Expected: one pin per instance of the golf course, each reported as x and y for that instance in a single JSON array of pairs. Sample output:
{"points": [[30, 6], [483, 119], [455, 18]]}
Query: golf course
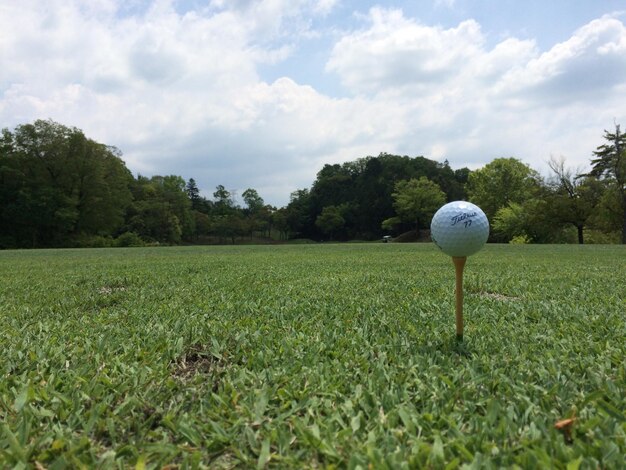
{"points": [[314, 356]]}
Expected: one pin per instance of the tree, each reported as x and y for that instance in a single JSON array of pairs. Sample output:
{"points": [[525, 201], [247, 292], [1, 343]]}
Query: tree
{"points": [[510, 221], [416, 200], [330, 220], [59, 186], [252, 200], [228, 226], [298, 213], [175, 193], [224, 202], [161, 210], [501, 182], [535, 220], [391, 223], [203, 223], [333, 186], [610, 164], [279, 221], [193, 193], [573, 200], [452, 183], [364, 189]]}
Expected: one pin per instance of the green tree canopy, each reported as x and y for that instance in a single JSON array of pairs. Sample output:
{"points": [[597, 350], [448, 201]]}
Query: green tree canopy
{"points": [[416, 200], [161, 210], [503, 181], [364, 187], [573, 200], [224, 202], [330, 220], [193, 193], [254, 203], [58, 186], [510, 221], [610, 163]]}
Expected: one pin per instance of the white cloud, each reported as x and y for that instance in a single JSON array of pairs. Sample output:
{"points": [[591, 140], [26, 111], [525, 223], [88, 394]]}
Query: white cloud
{"points": [[324, 7], [445, 3], [588, 66], [396, 52], [180, 91], [470, 103]]}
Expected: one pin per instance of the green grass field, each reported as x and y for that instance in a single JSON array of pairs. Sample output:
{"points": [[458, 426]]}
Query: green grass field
{"points": [[312, 356]]}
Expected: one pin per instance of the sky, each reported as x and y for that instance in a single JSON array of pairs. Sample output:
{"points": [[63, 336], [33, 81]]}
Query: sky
{"points": [[262, 93]]}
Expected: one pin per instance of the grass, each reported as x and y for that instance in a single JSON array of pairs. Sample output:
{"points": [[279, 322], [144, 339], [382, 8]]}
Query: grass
{"points": [[336, 356]]}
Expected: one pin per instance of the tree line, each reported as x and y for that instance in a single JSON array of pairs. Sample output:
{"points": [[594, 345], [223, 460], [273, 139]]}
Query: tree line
{"points": [[59, 188]]}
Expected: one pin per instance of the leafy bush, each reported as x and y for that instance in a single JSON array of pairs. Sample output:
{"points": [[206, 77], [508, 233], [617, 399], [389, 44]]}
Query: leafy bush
{"points": [[129, 239], [520, 240], [94, 241], [596, 237]]}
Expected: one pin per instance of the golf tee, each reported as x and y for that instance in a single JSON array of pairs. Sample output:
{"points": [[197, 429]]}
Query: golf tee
{"points": [[459, 264]]}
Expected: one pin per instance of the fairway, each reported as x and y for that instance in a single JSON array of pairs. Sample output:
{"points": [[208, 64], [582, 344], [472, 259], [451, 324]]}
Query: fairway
{"points": [[313, 356]]}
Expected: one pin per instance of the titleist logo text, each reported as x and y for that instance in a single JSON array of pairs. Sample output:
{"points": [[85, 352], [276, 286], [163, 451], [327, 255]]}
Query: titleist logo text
{"points": [[463, 216]]}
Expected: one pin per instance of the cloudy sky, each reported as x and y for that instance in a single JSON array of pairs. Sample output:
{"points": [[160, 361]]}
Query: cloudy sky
{"points": [[263, 93]]}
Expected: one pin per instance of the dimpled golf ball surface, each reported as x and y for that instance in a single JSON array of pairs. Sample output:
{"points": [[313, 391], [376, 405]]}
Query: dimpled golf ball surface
{"points": [[459, 228]]}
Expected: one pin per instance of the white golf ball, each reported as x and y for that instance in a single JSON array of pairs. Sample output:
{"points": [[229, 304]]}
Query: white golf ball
{"points": [[459, 228]]}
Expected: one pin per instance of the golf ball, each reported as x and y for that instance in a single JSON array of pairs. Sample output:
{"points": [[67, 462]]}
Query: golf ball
{"points": [[459, 228]]}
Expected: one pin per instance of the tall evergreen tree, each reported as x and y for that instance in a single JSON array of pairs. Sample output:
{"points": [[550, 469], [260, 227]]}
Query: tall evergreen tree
{"points": [[610, 163], [193, 193]]}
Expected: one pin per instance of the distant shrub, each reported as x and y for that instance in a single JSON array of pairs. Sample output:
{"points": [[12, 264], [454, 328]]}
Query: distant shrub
{"points": [[94, 241], [565, 235], [129, 239], [520, 240], [595, 237]]}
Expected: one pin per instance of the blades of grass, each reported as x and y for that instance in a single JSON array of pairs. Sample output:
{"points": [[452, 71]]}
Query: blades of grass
{"points": [[264, 455], [141, 463], [574, 464], [23, 397], [611, 410], [18, 452], [260, 405]]}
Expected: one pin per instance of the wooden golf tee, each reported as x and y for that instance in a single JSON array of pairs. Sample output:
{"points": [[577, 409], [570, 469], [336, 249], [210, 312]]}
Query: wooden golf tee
{"points": [[459, 264]]}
